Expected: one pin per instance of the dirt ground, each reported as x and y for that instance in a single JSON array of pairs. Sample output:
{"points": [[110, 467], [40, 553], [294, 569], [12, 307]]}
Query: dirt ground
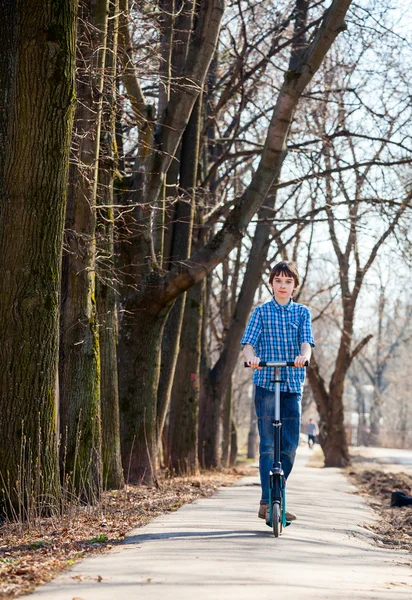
{"points": [[33, 554], [376, 480]]}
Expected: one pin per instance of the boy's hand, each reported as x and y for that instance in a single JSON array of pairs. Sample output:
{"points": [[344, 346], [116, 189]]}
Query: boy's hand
{"points": [[254, 362], [300, 361]]}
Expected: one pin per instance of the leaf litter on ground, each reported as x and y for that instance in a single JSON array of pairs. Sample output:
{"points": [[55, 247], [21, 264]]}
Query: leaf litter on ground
{"points": [[394, 526], [32, 554]]}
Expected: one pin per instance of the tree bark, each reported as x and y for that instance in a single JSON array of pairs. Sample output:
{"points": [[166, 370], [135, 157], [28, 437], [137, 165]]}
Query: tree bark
{"points": [[233, 445], [332, 436], [139, 368], [38, 74], [227, 426], [80, 352], [184, 406], [106, 282]]}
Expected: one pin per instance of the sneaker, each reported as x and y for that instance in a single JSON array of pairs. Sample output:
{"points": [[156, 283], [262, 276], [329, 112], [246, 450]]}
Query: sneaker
{"points": [[263, 508], [262, 514]]}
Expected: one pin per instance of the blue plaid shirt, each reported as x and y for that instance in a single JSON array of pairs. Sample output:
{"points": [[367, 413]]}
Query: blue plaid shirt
{"points": [[276, 333]]}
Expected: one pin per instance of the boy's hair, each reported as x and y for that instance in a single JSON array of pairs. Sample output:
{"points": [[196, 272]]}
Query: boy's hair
{"points": [[287, 268]]}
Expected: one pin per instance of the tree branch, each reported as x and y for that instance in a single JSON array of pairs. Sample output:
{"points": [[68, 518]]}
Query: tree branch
{"points": [[359, 346]]}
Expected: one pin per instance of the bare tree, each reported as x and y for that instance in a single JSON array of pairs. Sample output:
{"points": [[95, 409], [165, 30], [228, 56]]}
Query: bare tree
{"points": [[148, 307], [354, 262]]}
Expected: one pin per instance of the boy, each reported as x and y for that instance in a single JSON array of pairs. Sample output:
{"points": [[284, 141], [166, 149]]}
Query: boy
{"points": [[279, 330]]}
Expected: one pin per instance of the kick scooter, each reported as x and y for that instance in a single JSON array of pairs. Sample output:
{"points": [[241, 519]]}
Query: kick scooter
{"points": [[276, 517]]}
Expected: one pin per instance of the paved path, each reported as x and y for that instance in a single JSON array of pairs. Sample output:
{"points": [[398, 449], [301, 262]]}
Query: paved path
{"points": [[217, 549]]}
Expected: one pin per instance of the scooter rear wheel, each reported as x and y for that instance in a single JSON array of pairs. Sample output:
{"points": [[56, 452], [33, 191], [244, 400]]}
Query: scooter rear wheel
{"points": [[276, 519]]}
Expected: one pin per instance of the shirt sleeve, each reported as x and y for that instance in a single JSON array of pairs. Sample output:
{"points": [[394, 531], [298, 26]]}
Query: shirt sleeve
{"points": [[305, 328], [253, 329]]}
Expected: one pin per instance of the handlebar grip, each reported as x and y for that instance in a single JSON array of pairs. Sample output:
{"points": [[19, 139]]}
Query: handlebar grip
{"points": [[292, 364], [264, 363]]}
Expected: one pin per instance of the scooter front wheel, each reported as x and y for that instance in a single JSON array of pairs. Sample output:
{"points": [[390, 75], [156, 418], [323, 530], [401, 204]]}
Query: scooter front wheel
{"points": [[276, 519]]}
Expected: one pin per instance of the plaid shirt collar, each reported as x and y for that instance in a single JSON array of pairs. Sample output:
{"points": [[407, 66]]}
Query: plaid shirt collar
{"points": [[278, 306]]}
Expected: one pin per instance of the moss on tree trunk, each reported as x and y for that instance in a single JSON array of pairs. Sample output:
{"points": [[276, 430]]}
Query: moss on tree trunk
{"points": [[33, 179], [106, 283], [80, 350]]}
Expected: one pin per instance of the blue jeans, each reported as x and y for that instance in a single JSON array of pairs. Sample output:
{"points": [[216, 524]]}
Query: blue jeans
{"points": [[290, 413]]}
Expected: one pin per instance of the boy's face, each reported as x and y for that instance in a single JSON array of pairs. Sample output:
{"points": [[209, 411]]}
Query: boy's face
{"points": [[283, 287]]}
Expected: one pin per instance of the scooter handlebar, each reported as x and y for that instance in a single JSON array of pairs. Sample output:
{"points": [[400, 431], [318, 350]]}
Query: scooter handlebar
{"points": [[264, 363]]}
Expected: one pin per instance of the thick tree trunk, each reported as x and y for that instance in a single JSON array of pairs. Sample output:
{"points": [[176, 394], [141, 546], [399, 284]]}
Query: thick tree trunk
{"points": [[184, 407], [80, 352], [106, 284], [140, 340], [36, 120], [332, 436], [333, 441]]}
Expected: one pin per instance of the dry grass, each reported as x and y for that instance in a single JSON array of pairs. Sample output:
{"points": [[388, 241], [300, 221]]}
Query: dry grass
{"points": [[32, 555]]}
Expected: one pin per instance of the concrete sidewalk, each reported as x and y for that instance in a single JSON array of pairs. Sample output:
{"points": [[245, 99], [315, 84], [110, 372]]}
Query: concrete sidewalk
{"points": [[218, 549]]}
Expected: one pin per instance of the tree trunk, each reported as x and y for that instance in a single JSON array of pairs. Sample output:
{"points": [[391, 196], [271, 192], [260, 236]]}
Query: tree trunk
{"points": [[233, 445], [205, 452], [335, 446], [140, 341], [170, 351], [36, 120], [227, 426], [106, 283], [8, 36], [375, 416], [332, 436], [184, 407], [80, 352]]}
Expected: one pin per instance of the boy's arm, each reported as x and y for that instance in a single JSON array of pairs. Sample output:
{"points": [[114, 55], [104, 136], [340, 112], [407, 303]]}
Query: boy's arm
{"points": [[305, 354], [250, 339], [306, 339], [251, 359]]}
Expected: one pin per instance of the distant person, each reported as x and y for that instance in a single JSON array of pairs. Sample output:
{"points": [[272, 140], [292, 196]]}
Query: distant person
{"points": [[279, 330], [312, 431]]}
